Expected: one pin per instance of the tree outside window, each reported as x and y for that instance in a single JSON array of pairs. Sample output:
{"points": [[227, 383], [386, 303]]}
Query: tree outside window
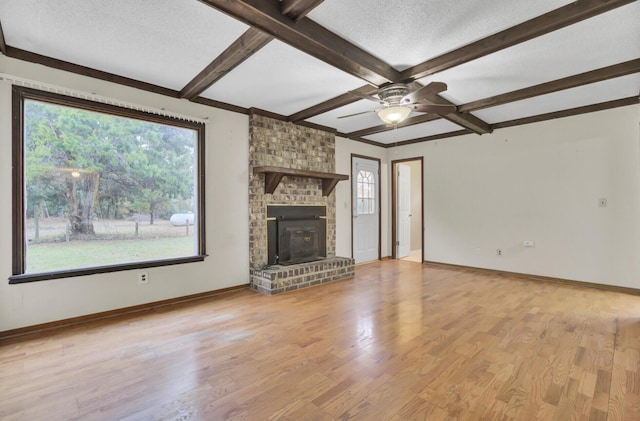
{"points": [[101, 185]]}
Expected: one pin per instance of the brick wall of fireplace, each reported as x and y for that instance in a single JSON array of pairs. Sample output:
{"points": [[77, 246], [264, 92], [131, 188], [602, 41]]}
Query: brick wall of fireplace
{"points": [[283, 144]]}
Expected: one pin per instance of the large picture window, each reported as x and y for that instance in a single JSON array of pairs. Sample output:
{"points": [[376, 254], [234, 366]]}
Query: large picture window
{"points": [[100, 188]]}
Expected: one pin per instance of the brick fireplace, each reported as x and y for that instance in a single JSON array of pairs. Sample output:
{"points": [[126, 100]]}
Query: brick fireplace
{"points": [[275, 143]]}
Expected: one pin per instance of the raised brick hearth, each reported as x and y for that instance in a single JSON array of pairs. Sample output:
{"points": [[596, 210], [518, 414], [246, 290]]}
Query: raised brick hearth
{"points": [[282, 144], [278, 279]]}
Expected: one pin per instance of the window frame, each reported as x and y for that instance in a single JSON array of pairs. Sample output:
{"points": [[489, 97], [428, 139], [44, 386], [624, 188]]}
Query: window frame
{"points": [[370, 200], [19, 95]]}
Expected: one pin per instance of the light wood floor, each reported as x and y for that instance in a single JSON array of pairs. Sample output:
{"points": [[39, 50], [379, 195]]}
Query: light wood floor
{"points": [[398, 342], [415, 257]]}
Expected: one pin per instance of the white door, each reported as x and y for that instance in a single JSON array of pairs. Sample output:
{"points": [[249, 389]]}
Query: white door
{"points": [[366, 209], [404, 211]]}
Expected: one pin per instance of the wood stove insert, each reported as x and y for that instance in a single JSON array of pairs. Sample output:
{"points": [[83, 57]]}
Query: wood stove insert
{"points": [[296, 234]]}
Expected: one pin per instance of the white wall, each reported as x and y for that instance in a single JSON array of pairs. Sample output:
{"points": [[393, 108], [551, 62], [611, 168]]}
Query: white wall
{"points": [[344, 149], [226, 216], [539, 182]]}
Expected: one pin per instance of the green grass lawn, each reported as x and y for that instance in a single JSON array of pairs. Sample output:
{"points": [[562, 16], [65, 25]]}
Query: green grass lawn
{"points": [[81, 254]]}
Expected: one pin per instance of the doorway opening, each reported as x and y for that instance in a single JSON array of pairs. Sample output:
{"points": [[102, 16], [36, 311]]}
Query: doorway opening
{"points": [[407, 214]]}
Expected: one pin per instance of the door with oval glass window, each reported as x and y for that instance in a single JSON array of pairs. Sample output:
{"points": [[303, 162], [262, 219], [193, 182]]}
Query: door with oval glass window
{"points": [[365, 179]]}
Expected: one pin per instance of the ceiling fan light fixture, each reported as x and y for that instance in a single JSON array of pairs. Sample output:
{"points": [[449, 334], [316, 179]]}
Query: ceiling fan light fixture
{"points": [[394, 114]]}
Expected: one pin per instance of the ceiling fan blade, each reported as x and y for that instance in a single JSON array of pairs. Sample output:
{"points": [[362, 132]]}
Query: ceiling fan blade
{"points": [[434, 108], [369, 97], [355, 114], [425, 92]]}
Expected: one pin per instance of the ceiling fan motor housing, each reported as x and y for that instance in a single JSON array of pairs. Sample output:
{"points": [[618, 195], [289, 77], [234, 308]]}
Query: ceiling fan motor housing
{"points": [[393, 94]]}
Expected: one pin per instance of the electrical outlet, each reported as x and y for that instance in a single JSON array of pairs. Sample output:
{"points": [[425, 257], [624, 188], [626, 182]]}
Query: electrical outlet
{"points": [[602, 202], [498, 252], [528, 243], [143, 278]]}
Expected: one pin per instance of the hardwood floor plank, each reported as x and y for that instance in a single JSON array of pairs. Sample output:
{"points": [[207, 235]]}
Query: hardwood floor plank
{"points": [[399, 341], [301, 410], [624, 395]]}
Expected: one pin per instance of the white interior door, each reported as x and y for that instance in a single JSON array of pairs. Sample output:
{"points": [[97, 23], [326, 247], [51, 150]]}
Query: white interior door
{"points": [[366, 209], [404, 211]]}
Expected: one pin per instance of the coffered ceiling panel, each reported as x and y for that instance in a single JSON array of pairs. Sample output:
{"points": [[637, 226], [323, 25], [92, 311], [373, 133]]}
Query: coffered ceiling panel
{"points": [[406, 32], [281, 79], [584, 95], [601, 41], [163, 42]]}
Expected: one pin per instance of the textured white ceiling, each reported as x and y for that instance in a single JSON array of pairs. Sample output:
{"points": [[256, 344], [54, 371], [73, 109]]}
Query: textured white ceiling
{"points": [[579, 48], [281, 79], [407, 32], [168, 42], [164, 42], [594, 93]]}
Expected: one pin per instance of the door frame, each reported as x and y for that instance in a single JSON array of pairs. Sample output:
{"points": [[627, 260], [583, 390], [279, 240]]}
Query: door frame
{"points": [[394, 205], [370, 158]]}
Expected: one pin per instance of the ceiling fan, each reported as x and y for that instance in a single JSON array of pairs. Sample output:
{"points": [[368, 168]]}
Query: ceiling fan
{"points": [[399, 99]]}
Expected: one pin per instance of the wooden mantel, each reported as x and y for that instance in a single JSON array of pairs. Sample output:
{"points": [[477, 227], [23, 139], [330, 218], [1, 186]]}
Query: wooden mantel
{"points": [[273, 175]]}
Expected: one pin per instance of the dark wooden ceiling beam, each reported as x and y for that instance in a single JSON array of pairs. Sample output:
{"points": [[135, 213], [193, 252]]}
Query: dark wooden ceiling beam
{"points": [[309, 37], [604, 73], [297, 9], [333, 103], [367, 141], [221, 105], [556, 19], [240, 50], [464, 119], [3, 44], [469, 121]]}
